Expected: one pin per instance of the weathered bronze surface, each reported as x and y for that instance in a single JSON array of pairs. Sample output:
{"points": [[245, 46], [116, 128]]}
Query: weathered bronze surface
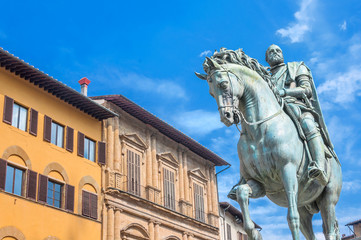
{"points": [[284, 148]]}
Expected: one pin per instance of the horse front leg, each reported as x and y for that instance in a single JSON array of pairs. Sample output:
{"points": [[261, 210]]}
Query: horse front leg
{"points": [[290, 182], [243, 193]]}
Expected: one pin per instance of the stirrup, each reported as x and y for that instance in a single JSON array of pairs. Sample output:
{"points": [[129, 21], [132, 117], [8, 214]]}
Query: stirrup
{"points": [[315, 172]]}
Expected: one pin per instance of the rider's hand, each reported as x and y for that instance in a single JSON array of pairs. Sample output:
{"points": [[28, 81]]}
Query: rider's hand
{"points": [[282, 92]]}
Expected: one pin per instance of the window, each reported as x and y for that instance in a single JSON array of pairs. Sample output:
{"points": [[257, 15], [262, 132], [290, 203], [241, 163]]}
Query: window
{"points": [[89, 149], [14, 180], [133, 160], [89, 204], [199, 202], [57, 134], [54, 194], [242, 236], [229, 233], [169, 192], [20, 117]]}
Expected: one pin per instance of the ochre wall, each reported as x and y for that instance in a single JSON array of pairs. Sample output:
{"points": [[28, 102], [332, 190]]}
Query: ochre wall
{"points": [[33, 219]]}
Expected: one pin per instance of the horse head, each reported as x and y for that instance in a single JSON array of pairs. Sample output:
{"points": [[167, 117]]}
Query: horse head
{"points": [[225, 88]]}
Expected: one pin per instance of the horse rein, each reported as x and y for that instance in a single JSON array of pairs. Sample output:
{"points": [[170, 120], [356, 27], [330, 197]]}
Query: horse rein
{"points": [[236, 110]]}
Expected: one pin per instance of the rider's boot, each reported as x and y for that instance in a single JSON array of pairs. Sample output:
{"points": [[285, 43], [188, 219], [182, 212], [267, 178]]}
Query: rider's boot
{"points": [[317, 151]]}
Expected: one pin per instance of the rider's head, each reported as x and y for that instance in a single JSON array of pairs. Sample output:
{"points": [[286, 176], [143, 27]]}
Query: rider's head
{"points": [[274, 55]]}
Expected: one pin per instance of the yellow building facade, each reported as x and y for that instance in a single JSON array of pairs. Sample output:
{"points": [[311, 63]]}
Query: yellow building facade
{"points": [[50, 157]]}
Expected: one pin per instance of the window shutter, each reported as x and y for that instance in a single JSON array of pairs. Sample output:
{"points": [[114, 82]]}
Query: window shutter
{"points": [[229, 236], [137, 170], [80, 144], [201, 202], [31, 188], [69, 198], [93, 206], [2, 173], [85, 204], [101, 152], [165, 187], [8, 110], [43, 188], [33, 130], [69, 139], [172, 190], [47, 128]]}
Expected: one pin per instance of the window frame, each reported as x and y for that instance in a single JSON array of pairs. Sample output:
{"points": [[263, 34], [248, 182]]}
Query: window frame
{"points": [[17, 120], [199, 210], [57, 125], [23, 178], [55, 182], [87, 147], [134, 172], [169, 188]]}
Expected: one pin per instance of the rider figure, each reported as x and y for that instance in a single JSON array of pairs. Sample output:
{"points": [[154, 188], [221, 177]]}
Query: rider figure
{"points": [[294, 83]]}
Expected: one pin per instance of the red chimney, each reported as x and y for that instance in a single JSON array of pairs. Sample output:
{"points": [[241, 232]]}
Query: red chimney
{"points": [[84, 82]]}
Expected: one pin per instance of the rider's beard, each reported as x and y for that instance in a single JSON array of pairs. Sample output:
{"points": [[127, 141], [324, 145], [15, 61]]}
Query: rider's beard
{"points": [[275, 60]]}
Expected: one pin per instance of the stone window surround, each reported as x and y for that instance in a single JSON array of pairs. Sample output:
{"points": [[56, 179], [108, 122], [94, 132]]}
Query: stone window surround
{"points": [[11, 231]]}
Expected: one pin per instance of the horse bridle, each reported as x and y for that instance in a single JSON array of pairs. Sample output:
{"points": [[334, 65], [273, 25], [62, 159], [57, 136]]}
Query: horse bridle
{"points": [[236, 111]]}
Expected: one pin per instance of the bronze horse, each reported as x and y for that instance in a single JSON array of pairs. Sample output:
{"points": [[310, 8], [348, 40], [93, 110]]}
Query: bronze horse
{"points": [[272, 156]]}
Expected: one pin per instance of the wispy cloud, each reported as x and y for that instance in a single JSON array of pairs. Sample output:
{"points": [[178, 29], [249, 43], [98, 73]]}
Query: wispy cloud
{"points": [[205, 53], [351, 186], [343, 26], [296, 30], [198, 122], [342, 87], [162, 87]]}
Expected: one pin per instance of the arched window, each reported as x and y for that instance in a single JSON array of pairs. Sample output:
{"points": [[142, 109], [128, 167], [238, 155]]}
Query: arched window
{"points": [[88, 197], [14, 171], [54, 189]]}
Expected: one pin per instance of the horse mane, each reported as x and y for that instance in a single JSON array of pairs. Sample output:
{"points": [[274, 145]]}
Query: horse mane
{"points": [[225, 56]]}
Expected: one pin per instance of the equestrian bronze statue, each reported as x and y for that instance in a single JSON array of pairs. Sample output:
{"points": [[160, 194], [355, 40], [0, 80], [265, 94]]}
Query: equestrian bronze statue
{"points": [[284, 148]]}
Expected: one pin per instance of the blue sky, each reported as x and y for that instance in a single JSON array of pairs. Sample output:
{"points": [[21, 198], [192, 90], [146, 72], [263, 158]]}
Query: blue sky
{"points": [[148, 51]]}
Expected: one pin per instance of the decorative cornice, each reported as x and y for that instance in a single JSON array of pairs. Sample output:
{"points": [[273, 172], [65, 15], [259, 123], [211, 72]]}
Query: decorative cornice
{"points": [[169, 158], [134, 140], [198, 174]]}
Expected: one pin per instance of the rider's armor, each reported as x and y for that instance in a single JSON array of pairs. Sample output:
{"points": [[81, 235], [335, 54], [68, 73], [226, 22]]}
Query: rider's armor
{"points": [[293, 80]]}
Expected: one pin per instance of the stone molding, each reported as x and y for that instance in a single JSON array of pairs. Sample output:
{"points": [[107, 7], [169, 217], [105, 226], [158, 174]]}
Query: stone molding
{"points": [[135, 230], [198, 174], [11, 231], [169, 159], [134, 140], [171, 237], [51, 238], [18, 151], [54, 166]]}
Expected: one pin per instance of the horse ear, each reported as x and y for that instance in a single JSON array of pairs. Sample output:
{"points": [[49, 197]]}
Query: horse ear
{"points": [[213, 63], [201, 76]]}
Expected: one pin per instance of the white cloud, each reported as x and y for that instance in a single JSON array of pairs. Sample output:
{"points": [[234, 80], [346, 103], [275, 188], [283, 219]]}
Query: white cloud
{"points": [[198, 122], [320, 236], [342, 87], [343, 26], [351, 186], [205, 53], [161, 87], [265, 210], [296, 30]]}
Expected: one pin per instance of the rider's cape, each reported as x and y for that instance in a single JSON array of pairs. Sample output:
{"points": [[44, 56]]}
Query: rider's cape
{"points": [[292, 71]]}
